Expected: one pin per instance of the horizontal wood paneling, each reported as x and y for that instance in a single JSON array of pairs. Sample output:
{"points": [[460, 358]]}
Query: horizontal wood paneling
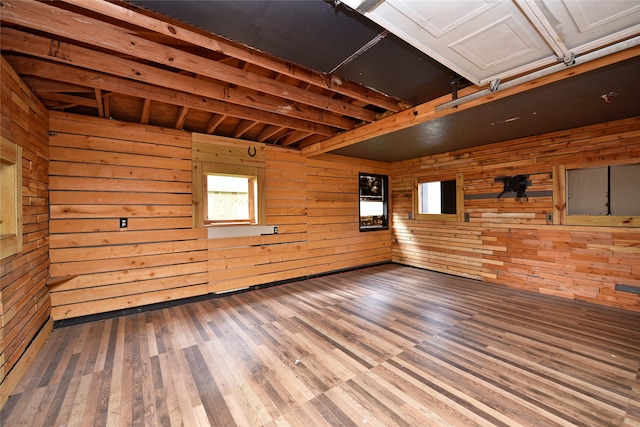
{"points": [[102, 171], [509, 241], [25, 306], [335, 241]]}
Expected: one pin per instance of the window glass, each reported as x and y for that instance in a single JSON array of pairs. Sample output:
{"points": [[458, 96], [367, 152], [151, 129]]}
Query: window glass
{"points": [[373, 191], [437, 197], [625, 190], [231, 198], [604, 191], [587, 191]]}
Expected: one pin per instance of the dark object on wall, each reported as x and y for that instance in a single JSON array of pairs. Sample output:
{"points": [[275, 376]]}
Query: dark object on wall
{"points": [[371, 187], [373, 191], [514, 184]]}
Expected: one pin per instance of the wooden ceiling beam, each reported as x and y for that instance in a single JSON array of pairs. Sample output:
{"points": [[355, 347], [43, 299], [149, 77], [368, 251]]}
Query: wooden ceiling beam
{"points": [[214, 122], [31, 44], [243, 128], [182, 115], [68, 99], [98, 94], [42, 86], [219, 44], [268, 132], [69, 74], [107, 106], [427, 111], [294, 137], [146, 112], [53, 20]]}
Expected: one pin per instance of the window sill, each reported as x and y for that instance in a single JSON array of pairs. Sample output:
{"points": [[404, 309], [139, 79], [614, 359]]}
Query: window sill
{"points": [[227, 231], [436, 217], [374, 227]]}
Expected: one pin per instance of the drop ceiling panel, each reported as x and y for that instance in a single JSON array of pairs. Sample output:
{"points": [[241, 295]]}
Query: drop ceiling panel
{"points": [[485, 40]]}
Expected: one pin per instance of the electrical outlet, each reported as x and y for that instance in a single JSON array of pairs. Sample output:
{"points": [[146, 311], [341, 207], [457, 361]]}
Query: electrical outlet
{"points": [[275, 230], [549, 217], [124, 222]]}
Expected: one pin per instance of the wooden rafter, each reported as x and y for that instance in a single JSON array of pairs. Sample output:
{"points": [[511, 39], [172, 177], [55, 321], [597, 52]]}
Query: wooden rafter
{"points": [[39, 46], [69, 99], [214, 122], [98, 94], [69, 74], [219, 44], [119, 55], [67, 24], [182, 115], [146, 112]]}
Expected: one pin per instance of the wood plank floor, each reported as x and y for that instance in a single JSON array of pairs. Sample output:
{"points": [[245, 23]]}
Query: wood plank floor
{"points": [[383, 346]]}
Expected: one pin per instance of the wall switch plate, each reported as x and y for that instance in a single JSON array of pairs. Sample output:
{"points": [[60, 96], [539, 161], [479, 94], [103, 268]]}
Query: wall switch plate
{"points": [[124, 222], [275, 230]]}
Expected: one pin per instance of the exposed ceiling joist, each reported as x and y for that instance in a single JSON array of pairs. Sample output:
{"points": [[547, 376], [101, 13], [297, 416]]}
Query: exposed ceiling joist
{"points": [[106, 47], [218, 44]]}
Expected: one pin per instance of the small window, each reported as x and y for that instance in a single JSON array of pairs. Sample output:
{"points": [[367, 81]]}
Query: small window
{"points": [[11, 191], [437, 197], [231, 199], [439, 200], [604, 195], [373, 202]]}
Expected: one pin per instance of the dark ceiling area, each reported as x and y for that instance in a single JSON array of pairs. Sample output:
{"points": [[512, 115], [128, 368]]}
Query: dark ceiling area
{"points": [[321, 35], [602, 95]]}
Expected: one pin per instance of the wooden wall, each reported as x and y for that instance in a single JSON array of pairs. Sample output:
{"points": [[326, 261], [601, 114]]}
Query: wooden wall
{"points": [[103, 170], [238, 262], [335, 241], [509, 241], [24, 298]]}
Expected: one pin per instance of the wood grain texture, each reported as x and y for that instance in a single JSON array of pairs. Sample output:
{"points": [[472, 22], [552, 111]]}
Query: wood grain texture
{"points": [[24, 297], [509, 241], [104, 171], [384, 346]]}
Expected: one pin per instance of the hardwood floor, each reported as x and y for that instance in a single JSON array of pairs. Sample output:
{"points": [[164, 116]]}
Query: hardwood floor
{"points": [[382, 346]]}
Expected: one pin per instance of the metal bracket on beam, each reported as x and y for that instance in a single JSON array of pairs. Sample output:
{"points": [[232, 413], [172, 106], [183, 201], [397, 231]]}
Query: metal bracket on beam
{"points": [[494, 85], [569, 59]]}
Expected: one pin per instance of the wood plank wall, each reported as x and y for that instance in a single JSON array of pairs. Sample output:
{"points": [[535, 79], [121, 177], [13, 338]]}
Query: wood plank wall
{"points": [[25, 307], [509, 241], [335, 241], [238, 262], [102, 170]]}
